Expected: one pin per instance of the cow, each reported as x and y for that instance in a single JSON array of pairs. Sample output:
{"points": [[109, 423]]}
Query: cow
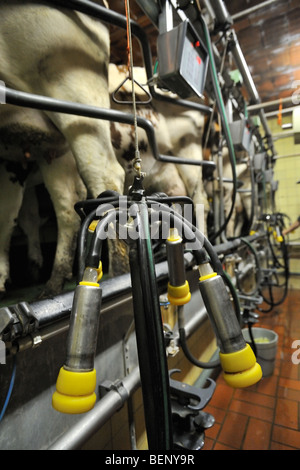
{"points": [[61, 54]]}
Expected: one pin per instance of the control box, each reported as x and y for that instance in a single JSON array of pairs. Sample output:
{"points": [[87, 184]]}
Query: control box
{"points": [[182, 61], [241, 134]]}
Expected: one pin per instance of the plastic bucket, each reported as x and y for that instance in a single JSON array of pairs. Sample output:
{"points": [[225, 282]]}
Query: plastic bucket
{"points": [[266, 342]]}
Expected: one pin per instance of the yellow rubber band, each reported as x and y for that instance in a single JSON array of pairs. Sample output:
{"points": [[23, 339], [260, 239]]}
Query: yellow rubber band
{"points": [[93, 225], [207, 276], [84, 283], [179, 300]]}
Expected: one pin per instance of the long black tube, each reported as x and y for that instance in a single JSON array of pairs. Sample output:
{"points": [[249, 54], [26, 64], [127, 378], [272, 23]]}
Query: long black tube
{"points": [[150, 340], [191, 358], [271, 302]]}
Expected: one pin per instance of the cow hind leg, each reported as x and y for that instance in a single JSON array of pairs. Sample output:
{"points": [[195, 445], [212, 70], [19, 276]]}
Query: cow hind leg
{"points": [[65, 188], [11, 196]]}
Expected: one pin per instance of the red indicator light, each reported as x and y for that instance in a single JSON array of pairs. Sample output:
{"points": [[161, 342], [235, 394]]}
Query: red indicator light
{"points": [[198, 60], [197, 44]]}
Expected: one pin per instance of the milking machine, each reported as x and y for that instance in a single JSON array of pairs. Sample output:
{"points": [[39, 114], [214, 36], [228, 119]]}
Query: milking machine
{"points": [[76, 381]]}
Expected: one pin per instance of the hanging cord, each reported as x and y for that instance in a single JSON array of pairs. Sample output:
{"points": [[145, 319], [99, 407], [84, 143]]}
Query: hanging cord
{"points": [[137, 159]]}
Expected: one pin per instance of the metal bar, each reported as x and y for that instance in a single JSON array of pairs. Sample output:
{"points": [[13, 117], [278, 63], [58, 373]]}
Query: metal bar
{"points": [[243, 67], [248, 11], [287, 156], [283, 135], [258, 106], [283, 111]]}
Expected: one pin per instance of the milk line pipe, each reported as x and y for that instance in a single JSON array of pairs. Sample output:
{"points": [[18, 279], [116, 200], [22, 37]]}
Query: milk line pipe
{"points": [[50, 313], [44, 103], [120, 21]]}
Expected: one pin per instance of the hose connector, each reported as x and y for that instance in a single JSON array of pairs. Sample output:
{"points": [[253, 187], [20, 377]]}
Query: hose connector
{"points": [[76, 382], [237, 358], [277, 235], [178, 287]]}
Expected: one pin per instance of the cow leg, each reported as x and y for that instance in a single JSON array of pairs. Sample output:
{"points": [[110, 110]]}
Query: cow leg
{"points": [[29, 222], [65, 188], [11, 196]]}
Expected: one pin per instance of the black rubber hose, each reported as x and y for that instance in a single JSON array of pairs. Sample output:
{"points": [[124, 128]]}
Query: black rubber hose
{"points": [[191, 358], [150, 340]]}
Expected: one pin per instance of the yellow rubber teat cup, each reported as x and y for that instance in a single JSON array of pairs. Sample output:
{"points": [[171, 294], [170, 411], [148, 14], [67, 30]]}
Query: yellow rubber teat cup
{"points": [[240, 368], [179, 295], [75, 391]]}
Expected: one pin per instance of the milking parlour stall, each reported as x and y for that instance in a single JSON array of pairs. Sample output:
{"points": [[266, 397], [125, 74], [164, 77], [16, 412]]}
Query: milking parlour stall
{"points": [[142, 241]]}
